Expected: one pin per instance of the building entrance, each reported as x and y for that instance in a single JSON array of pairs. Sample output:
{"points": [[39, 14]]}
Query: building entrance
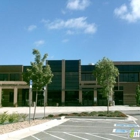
{"points": [[87, 98], [71, 98], [25, 97], [118, 97], [101, 100], [54, 98]]}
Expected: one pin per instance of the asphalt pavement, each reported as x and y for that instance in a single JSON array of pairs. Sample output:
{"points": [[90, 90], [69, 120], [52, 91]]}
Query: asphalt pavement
{"points": [[32, 132]]}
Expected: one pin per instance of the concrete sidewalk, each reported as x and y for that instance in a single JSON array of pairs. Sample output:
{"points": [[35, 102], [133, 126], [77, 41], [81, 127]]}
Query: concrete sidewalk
{"points": [[58, 110]]}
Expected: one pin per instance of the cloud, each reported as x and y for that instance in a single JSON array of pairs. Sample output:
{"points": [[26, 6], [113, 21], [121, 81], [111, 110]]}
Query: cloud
{"points": [[65, 40], [72, 25], [39, 43], [129, 13], [69, 32], [63, 12], [77, 4], [32, 27]]}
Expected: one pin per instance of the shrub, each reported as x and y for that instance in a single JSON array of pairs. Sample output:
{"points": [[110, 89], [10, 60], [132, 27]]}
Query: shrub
{"points": [[75, 114], [84, 114], [3, 117], [102, 113], [14, 117], [93, 113], [62, 115], [23, 116], [50, 115]]}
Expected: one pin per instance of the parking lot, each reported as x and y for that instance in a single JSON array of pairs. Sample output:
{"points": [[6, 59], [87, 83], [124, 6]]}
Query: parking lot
{"points": [[88, 129]]}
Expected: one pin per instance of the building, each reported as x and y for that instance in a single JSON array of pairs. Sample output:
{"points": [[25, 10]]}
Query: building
{"points": [[73, 84]]}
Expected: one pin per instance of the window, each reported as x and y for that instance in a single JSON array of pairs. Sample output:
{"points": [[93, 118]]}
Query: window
{"points": [[11, 97], [87, 77], [3, 77], [14, 77], [129, 77]]}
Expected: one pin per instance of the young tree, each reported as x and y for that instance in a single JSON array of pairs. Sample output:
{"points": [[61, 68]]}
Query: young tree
{"points": [[106, 73], [39, 73], [138, 95]]}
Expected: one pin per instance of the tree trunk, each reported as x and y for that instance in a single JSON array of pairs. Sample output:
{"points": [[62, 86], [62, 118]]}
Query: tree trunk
{"points": [[108, 104], [35, 105]]}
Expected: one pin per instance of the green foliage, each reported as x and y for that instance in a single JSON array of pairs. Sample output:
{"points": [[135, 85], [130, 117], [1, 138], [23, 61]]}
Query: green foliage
{"points": [[106, 73], [50, 115], [40, 75], [10, 118], [3, 117], [138, 95], [62, 115], [93, 114], [14, 117], [23, 116], [102, 113]]}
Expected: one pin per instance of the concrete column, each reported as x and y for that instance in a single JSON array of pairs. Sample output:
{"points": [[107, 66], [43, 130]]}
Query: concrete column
{"points": [[80, 96], [15, 95], [0, 96], [63, 97], [63, 83], [95, 95]]}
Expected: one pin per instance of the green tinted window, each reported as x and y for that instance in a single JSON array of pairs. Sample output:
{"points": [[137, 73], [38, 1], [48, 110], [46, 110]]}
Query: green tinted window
{"points": [[129, 77], [3, 77], [14, 77]]}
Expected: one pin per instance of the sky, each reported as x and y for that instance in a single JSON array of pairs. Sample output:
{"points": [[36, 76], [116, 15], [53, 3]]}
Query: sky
{"points": [[69, 29]]}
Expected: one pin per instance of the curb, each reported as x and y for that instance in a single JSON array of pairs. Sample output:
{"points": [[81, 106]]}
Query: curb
{"points": [[19, 134]]}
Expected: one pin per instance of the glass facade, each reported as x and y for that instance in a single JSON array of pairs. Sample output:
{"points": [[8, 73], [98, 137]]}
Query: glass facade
{"points": [[128, 73], [10, 77], [87, 73], [71, 98], [14, 77], [72, 74], [56, 67], [129, 77], [4, 77], [72, 83], [128, 68], [87, 97]]}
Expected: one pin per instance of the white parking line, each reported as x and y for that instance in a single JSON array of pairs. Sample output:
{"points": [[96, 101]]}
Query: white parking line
{"points": [[35, 137], [83, 126], [98, 136], [53, 136], [75, 136], [120, 136], [85, 121]]}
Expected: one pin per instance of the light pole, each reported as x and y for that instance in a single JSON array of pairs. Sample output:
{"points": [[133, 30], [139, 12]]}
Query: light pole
{"points": [[44, 99], [30, 100]]}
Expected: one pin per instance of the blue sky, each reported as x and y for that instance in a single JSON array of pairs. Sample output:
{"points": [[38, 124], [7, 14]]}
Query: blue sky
{"points": [[69, 29]]}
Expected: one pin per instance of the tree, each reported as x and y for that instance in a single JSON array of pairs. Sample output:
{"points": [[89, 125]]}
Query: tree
{"points": [[138, 95], [106, 73], [40, 75]]}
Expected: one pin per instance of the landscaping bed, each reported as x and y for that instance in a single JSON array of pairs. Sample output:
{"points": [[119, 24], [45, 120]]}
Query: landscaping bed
{"points": [[16, 121], [112, 114]]}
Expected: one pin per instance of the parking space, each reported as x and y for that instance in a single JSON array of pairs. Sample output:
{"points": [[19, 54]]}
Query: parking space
{"points": [[87, 129]]}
